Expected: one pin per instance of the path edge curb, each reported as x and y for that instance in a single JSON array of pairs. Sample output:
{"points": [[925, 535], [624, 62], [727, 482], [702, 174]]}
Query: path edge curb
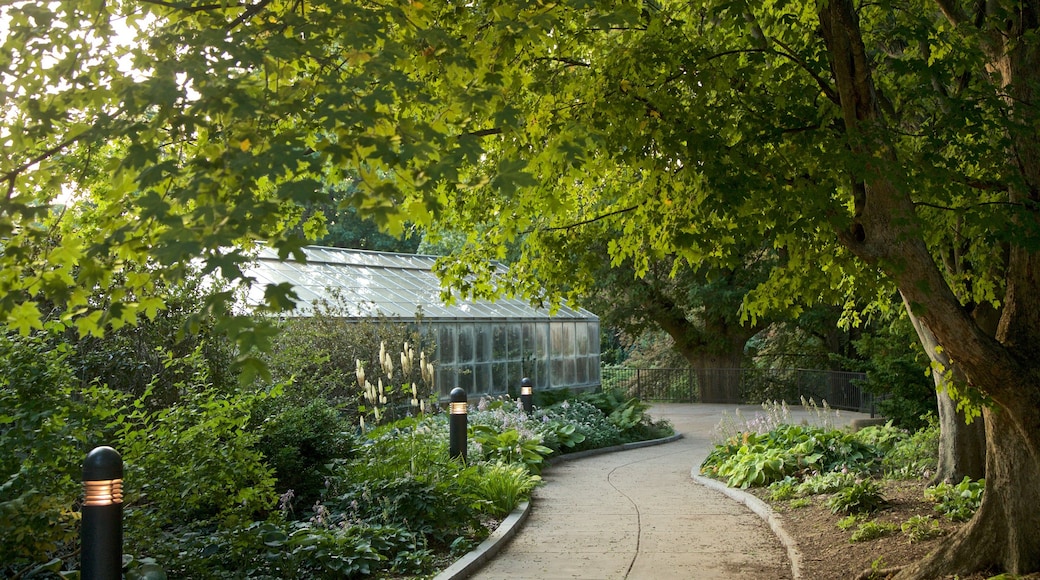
{"points": [[477, 557], [467, 565], [762, 510]]}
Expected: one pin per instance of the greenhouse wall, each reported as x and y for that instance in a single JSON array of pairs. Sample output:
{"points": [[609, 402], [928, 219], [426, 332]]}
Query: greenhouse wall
{"points": [[489, 357]]}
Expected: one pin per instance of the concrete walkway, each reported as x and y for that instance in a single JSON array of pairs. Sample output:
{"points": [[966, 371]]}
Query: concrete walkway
{"points": [[639, 514]]}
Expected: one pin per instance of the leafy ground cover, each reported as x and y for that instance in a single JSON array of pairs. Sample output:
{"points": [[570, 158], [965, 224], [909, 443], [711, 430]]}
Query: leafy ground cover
{"points": [[856, 503]]}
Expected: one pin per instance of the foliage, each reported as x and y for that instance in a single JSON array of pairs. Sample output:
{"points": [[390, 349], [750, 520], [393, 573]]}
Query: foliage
{"points": [[882, 437], [202, 443], [829, 482], [916, 456], [504, 486], [864, 496], [848, 521], [920, 529], [783, 489], [48, 423], [872, 530], [509, 447], [157, 353], [758, 459], [298, 443], [897, 373], [588, 421], [958, 502]]}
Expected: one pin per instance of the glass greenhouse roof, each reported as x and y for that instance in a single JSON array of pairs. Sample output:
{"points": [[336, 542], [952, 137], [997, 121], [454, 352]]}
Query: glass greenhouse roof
{"points": [[368, 283]]}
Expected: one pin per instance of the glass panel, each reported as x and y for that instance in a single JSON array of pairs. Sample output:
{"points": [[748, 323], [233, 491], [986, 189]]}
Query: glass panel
{"points": [[499, 377], [541, 375], [527, 346], [483, 343], [568, 339], [515, 375], [465, 378], [446, 343], [556, 339], [557, 374], [513, 343], [542, 341], [465, 343], [568, 371], [581, 370], [482, 377], [445, 380], [498, 343], [581, 338]]}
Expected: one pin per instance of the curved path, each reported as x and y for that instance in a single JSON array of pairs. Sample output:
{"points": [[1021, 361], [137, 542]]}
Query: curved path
{"points": [[638, 514]]}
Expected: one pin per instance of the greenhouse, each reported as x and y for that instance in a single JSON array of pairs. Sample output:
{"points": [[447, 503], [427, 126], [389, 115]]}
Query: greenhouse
{"points": [[482, 346]]}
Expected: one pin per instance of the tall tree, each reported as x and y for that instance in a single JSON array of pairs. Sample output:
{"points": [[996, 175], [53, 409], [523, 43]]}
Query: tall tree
{"points": [[865, 140]]}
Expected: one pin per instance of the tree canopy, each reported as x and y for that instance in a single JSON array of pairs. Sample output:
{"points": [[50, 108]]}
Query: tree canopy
{"points": [[877, 145]]}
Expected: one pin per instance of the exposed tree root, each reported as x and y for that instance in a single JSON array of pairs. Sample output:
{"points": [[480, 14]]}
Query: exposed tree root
{"points": [[878, 574]]}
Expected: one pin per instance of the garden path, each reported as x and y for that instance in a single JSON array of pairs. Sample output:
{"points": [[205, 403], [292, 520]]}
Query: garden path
{"points": [[638, 515]]}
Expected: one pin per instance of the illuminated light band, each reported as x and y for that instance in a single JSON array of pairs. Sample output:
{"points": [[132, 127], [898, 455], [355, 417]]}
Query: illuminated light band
{"points": [[103, 492], [526, 390], [459, 408]]}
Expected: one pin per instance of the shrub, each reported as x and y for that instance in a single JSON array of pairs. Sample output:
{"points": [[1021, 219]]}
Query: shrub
{"points": [[299, 442], [196, 460], [862, 497], [510, 447], [588, 420], [957, 502], [881, 437], [916, 456], [47, 426], [830, 482]]}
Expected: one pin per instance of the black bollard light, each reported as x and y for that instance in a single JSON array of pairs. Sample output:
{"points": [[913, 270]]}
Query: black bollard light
{"points": [[527, 395], [458, 424], [101, 528]]}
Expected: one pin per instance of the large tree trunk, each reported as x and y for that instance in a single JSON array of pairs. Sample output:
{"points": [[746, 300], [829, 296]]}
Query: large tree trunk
{"points": [[718, 374], [1005, 532], [962, 445], [1003, 535]]}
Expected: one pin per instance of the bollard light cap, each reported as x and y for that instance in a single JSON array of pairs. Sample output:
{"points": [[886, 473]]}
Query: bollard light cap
{"points": [[102, 463], [458, 395]]}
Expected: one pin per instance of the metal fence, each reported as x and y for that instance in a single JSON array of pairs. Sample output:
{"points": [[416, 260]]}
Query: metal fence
{"points": [[840, 389]]}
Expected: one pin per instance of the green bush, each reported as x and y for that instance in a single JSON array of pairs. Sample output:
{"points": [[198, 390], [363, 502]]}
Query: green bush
{"points": [[830, 482], [47, 426], [957, 502], [588, 421], [299, 443], [753, 459], [915, 456], [859, 498], [509, 446], [194, 461]]}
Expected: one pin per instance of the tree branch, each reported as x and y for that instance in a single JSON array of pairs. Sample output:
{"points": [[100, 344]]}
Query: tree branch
{"points": [[565, 60], [953, 11], [588, 221], [190, 8]]}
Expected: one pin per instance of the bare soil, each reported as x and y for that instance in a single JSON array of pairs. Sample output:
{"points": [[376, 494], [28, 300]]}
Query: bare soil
{"points": [[828, 553]]}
